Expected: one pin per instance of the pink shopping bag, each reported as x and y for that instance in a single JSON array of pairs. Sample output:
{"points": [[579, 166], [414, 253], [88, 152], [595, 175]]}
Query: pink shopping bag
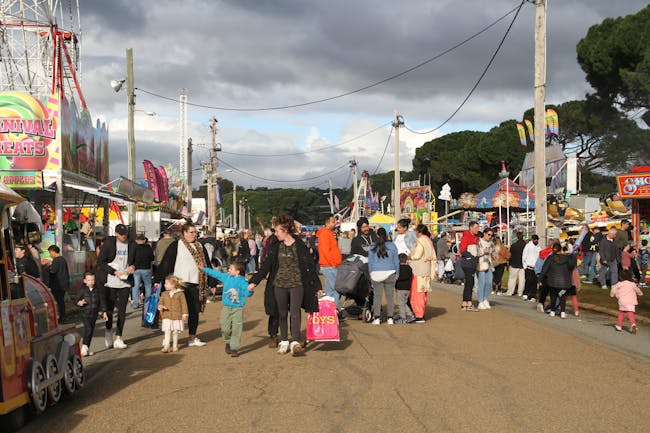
{"points": [[324, 325]]}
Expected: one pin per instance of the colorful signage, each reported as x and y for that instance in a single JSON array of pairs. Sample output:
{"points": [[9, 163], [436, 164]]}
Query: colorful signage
{"points": [[416, 199], [51, 135], [634, 185], [18, 179]]}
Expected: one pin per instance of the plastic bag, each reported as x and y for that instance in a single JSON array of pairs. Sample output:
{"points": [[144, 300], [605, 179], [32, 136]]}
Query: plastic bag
{"points": [[449, 266], [152, 307], [324, 324]]}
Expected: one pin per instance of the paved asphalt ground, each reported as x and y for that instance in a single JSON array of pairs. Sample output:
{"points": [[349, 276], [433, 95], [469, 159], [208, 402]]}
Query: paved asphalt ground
{"points": [[509, 369]]}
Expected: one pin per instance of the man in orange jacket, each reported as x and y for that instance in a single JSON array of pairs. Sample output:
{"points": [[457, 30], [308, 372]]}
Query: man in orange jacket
{"points": [[329, 256]]}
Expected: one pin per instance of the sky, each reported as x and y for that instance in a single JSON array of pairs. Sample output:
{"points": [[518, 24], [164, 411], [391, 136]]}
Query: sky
{"points": [[245, 54]]}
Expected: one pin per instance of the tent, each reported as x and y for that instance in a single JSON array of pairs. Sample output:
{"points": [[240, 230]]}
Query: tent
{"points": [[505, 193], [381, 220]]}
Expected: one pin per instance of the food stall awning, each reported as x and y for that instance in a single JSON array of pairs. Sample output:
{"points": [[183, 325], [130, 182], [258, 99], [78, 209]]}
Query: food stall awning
{"points": [[119, 199]]}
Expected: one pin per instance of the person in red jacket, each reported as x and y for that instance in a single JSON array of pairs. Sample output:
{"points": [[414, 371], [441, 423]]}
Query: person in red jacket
{"points": [[329, 256], [468, 259]]}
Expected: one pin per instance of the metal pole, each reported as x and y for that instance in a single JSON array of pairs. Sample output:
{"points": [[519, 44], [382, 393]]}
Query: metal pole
{"points": [[234, 205], [540, 141], [331, 197], [130, 99], [396, 198], [212, 179], [355, 210], [189, 176]]}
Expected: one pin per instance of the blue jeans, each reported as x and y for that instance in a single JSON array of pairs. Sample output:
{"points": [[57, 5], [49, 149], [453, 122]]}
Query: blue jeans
{"points": [[484, 285], [589, 265], [250, 268], [330, 277], [140, 276], [612, 267]]}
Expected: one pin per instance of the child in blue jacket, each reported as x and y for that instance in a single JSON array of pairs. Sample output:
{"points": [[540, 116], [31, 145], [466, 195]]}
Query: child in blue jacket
{"points": [[235, 292]]}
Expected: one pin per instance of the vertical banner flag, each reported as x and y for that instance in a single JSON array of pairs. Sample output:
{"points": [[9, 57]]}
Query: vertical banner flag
{"points": [[531, 132], [150, 175], [164, 183], [553, 124], [218, 193], [522, 134]]}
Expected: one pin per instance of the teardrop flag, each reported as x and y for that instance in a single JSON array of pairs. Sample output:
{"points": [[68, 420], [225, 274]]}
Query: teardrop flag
{"points": [[522, 134], [531, 132]]}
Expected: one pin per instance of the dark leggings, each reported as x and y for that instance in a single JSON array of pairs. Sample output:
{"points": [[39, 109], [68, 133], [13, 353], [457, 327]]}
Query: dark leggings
{"points": [[193, 307], [555, 293], [289, 301], [469, 283], [59, 297], [117, 298], [273, 325], [89, 328], [497, 276]]}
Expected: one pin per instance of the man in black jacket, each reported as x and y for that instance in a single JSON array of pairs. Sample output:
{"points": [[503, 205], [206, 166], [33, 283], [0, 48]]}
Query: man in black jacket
{"points": [[365, 237], [59, 279], [115, 268], [516, 273], [610, 257]]}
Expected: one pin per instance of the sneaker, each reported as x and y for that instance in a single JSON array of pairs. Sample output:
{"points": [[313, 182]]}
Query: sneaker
{"points": [[389, 321], [552, 313], [165, 349], [84, 350], [295, 348], [532, 300], [273, 342], [419, 320], [524, 297], [487, 304], [376, 321], [618, 328], [499, 294], [283, 347], [196, 342], [540, 307], [469, 308], [603, 287], [228, 351], [576, 313], [234, 354], [481, 306], [174, 348], [562, 315], [119, 344], [633, 328], [492, 292], [108, 338], [409, 319]]}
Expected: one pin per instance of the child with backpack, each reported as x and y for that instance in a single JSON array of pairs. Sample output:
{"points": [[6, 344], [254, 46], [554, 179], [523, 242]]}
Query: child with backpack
{"points": [[235, 292], [402, 290], [626, 292]]}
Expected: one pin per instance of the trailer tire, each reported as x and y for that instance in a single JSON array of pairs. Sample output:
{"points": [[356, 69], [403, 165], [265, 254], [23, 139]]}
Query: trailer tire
{"points": [[78, 371], [68, 377], [37, 392], [54, 390]]}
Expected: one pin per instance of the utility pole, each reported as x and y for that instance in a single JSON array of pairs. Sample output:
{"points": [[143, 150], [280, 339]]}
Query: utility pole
{"points": [[189, 175], [355, 200], [235, 221], [331, 197], [399, 121], [212, 180], [130, 95], [540, 140]]}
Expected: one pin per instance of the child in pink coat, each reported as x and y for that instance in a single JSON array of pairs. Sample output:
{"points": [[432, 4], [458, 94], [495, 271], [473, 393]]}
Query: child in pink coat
{"points": [[626, 292]]}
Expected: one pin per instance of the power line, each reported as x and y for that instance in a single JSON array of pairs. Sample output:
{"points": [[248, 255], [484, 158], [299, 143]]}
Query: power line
{"points": [[487, 67], [384, 153], [280, 181], [351, 92], [309, 151]]}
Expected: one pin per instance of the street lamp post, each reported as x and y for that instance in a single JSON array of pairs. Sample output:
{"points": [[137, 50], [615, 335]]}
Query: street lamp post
{"points": [[130, 101]]}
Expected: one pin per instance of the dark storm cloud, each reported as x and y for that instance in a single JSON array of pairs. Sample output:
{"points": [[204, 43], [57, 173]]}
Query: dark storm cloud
{"points": [[246, 53]]}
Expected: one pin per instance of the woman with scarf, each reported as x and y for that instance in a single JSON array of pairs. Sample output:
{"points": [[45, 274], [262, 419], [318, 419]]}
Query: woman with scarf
{"points": [[424, 265], [184, 258], [292, 282]]}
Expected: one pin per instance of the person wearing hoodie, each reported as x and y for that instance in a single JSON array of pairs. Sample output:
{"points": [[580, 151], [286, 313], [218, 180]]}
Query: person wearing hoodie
{"points": [[329, 256], [557, 272]]}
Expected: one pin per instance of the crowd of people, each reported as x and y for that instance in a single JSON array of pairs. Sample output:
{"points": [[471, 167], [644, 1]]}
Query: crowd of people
{"points": [[400, 268], [553, 272]]}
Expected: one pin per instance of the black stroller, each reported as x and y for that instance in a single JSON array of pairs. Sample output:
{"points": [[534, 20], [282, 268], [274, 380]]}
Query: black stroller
{"points": [[353, 282]]}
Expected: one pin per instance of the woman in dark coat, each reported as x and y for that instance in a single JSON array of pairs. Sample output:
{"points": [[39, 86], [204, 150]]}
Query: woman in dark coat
{"points": [[556, 274], [292, 283]]}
